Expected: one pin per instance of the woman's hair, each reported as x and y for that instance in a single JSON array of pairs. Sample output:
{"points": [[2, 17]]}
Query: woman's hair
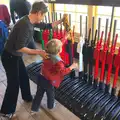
{"points": [[39, 7], [53, 46]]}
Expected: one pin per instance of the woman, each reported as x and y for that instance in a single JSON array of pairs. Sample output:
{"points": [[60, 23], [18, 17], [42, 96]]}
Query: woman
{"points": [[17, 44]]}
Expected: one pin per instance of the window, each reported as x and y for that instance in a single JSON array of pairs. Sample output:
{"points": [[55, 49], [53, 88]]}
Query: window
{"points": [[6, 2], [78, 23], [70, 8], [117, 17], [59, 7], [75, 11], [81, 8], [117, 12], [104, 12], [31, 1]]}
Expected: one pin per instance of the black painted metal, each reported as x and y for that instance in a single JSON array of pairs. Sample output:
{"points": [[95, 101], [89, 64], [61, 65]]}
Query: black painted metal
{"points": [[85, 52], [90, 53], [82, 99]]}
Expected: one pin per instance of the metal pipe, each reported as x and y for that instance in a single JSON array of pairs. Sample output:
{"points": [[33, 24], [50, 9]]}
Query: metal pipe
{"points": [[99, 26], [80, 25], [48, 17], [93, 20], [86, 28], [112, 15], [106, 29], [114, 31]]}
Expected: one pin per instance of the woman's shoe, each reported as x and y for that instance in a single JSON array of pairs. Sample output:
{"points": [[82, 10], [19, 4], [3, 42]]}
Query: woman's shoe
{"points": [[7, 116]]}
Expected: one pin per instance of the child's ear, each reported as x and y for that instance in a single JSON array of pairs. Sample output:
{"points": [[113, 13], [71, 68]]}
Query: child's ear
{"points": [[60, 50]]}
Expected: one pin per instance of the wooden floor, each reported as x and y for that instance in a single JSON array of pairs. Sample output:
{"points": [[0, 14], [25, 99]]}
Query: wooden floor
{"points": [[23, 109]]}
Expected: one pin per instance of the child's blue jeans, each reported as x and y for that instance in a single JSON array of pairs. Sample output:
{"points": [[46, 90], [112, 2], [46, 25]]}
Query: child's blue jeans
{"points": [[43, 85]]}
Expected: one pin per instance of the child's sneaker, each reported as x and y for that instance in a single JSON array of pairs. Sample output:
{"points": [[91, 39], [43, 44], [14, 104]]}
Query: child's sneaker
{"points": [[54, 105], [33, 112]]}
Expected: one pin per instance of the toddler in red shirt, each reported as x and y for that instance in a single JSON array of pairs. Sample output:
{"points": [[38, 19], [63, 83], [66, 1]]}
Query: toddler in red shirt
{"points": [[51, 74]]}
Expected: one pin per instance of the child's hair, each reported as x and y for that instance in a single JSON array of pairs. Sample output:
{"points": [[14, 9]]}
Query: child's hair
{"points": [[53, 46]]}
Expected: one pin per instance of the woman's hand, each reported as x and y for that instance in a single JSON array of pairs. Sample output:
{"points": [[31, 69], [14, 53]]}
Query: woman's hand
{"points": [[43, 54]]}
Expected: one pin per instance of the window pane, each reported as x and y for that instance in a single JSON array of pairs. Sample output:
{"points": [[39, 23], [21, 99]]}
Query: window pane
{"points": [[81, 8], [83, 23], [117, 11], [58, 13], [70, 7], [5, 2], [83, 17], [72, 24], [118, 23], [59, 7], [103, 23], [104, 10], [31, 1], [77, 28], [103, 20], [118, 32]]}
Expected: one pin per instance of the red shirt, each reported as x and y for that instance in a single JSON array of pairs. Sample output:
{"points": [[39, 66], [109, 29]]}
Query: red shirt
{"points": [[4, 14], [54, 72]]}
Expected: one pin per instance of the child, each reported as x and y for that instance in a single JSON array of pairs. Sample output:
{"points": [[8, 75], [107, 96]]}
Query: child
{"points": [[52, 73]]}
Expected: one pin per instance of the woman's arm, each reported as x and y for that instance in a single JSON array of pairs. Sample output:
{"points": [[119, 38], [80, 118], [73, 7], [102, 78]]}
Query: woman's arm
{"points": [[56, 23], [26, 50]]}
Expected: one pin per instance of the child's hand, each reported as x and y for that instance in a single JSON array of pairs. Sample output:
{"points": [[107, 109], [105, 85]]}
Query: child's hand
{"points": [[74, 65]]}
